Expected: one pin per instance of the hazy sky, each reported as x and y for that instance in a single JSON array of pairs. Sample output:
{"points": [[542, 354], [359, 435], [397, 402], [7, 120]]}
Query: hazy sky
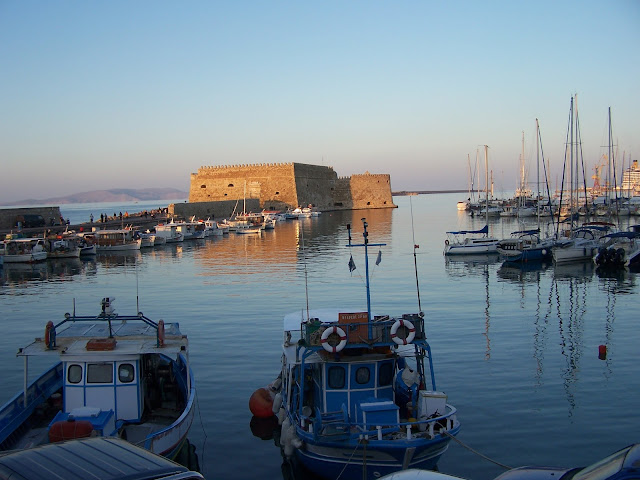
{"points": [[109, 94]]}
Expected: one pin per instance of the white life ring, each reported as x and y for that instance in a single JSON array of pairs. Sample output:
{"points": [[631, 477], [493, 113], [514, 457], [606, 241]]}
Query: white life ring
{"points": [[410, 336], [325, 335]]}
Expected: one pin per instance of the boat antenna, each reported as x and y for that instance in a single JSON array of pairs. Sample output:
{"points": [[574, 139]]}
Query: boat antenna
{"points": [[304, 260], [135, 264], [415, 261], [366, 245]]}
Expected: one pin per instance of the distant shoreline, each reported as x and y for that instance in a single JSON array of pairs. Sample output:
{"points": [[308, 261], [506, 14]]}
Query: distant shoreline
{"points": [[424, 192]]}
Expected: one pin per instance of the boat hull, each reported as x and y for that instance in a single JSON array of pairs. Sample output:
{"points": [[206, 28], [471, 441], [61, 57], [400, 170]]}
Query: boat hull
{"points": [[331, 462]]}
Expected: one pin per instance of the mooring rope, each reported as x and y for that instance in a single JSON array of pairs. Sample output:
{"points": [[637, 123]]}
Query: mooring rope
{"points": [[349, 461], [476, 452]]}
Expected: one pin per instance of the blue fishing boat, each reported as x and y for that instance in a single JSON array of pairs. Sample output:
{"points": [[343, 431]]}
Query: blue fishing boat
{"points": [[111, 375], [357, 396]]}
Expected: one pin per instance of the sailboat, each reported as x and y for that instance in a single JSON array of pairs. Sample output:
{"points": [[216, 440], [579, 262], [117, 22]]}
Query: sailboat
{"points": [[526, 245], [581, 243], [469, 242]]}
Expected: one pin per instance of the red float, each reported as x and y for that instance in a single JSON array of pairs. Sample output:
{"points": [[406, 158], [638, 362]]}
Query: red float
{"points": [[261, 403], [70, 430]]}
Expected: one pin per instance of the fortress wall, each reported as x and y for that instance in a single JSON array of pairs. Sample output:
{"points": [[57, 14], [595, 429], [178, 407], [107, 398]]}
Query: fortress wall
{"points": [[371, 191], [279, 186], [272, 183], [315, 185]]}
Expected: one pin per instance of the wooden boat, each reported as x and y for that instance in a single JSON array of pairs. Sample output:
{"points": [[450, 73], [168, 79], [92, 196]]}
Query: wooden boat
{"points": [[115, 240], [357, 396], [111, 376]]}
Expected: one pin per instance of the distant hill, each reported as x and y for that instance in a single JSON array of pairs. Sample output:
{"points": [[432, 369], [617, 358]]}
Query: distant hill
{"points": [[113, 195]]}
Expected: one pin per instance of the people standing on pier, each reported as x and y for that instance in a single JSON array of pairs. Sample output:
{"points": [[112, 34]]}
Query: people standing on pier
{"points": [[91, 218]]}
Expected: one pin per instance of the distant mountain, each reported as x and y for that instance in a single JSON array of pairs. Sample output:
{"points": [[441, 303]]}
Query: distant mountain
{"points": [[113, 195]]}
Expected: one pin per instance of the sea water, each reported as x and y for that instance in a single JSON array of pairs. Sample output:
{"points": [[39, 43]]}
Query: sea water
{"points": [[515, 348]]}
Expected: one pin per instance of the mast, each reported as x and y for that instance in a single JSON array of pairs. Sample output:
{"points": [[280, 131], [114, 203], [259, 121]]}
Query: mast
{"points": [[486, 168], [538, 173], [366, 245]]}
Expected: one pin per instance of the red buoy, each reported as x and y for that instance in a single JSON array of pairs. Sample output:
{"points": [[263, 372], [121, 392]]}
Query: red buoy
{"points": [[261, 403], [602, 352]]}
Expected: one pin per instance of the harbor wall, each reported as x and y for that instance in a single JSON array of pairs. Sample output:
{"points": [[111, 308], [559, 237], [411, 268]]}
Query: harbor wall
{"points": [[212, 210], [10, 216], [281, 186]]}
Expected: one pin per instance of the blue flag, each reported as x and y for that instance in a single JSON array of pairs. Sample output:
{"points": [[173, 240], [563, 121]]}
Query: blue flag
{"points": [[379, 259], [352, 265]]}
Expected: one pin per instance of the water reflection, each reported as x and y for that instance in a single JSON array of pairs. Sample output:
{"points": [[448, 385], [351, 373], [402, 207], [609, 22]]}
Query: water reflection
{"points": [[463, 265], [52, 270], [571, 305]]}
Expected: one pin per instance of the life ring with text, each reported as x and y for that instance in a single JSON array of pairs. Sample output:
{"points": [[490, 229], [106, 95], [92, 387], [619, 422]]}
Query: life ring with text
{"points": [[161, 333], [410, 336], [325, 335], [446, 242]]}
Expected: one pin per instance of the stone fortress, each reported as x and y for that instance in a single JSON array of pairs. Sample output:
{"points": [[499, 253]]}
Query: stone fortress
{"points": [[282, 186]]}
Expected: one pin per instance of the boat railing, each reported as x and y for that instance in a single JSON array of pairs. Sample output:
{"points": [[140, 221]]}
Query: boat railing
{"points": [[15, 412], [380, 331], [337, 424]]}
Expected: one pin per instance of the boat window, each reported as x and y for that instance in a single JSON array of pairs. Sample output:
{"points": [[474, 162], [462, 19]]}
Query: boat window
{"points": [[74, 374], [125, 373], [336, 377], [385, 374], [363, 374], [99, 373]]}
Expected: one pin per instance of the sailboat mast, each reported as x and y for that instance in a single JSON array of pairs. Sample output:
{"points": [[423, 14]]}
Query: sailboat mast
{"points": [[538, 172], [486, 172]]}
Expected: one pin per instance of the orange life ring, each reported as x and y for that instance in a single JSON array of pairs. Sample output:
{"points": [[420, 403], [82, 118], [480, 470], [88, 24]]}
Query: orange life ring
{"points": [[161, 333], [50, 335]]}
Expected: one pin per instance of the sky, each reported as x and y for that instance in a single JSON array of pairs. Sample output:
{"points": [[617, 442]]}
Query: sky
{"points": [[122, 94]]}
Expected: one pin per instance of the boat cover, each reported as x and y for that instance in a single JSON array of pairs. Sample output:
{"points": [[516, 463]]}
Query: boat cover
{"points": [[484, 229]]}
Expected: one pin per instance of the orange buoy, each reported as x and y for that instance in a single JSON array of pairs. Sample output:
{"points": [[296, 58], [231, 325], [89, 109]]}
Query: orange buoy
{"points": [[261, 403]]}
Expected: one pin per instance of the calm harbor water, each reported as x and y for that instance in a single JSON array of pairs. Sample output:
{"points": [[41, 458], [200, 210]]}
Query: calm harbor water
{"points": [[516, 350]]}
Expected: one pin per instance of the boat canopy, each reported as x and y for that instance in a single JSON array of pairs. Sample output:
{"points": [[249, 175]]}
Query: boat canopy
{"points": [[623, 235], [484, 229]]}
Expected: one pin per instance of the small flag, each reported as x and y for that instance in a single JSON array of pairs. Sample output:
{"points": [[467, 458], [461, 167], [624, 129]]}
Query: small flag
{"points": [[379, 259], [416, 246], [352, 264]]}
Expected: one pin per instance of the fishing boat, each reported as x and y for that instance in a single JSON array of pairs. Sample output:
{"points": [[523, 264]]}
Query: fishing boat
{"points": [[111, 375], [119, 240], [23, 250], [170, 232], [473, 242], [357, 396]]}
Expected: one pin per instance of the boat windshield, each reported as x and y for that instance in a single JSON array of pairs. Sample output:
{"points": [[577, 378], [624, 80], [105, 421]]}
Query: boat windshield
{"points": [[603, 469]]}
